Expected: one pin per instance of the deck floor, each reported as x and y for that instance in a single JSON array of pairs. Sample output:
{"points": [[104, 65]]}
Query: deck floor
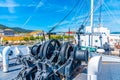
{"points": [[110, 71], [13, 71]]}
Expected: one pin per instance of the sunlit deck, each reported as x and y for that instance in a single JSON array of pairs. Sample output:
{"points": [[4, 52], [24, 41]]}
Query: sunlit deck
{"points": [[110, 71]]}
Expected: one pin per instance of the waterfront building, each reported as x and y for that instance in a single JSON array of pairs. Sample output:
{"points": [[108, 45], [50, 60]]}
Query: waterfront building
{"points": [[8, 32], [36, 33], [1, 32]]}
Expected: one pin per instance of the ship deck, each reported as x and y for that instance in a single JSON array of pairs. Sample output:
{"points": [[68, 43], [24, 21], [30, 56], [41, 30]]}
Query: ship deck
{"points": [[110, 71], [13, 71]]}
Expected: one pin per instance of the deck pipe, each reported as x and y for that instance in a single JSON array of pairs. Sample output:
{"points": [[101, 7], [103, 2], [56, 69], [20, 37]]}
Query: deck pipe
{"points": [[5, 53], [94, 68]]}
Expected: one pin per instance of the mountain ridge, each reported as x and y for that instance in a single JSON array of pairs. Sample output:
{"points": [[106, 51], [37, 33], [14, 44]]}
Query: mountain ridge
{"points": [[15, 29]]}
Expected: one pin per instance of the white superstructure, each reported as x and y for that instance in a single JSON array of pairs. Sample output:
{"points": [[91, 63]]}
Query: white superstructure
{"points": [[100, 36]]}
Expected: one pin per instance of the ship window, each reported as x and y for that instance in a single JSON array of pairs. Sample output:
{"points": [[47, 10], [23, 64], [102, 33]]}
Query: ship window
{"points": [[96, 40], [82, 40]]}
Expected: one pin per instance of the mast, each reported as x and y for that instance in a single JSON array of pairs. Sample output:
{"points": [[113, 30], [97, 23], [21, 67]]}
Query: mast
{"points": [[91, 21]]}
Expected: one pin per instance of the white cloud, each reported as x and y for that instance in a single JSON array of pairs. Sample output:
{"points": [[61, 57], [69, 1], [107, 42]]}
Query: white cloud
{"points": [[40, 4], [10, 4], [36, 5]]}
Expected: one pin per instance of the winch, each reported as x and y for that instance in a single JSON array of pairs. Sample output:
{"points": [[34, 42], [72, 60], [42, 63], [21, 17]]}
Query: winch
{"points": [[52, 61]]}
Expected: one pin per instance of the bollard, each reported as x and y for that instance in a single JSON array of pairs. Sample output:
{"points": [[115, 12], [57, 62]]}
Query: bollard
{"points": [[16, 51], [5, 53], [27, 50], [94, 68]]}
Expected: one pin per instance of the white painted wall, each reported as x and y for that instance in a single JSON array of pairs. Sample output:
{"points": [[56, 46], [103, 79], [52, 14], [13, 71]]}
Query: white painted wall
{"points": [[85, 40]]}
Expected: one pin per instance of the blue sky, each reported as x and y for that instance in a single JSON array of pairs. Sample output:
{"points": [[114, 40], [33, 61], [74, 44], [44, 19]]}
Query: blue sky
{"points": [[44, 14]]}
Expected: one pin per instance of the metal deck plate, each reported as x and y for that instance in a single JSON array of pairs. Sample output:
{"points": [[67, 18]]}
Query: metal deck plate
{"points": [[110, 71], [13, 71]]}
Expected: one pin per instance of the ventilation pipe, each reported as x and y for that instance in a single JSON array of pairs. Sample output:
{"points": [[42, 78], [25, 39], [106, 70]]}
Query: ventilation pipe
{"points": [[94, 68], [6, 51]]}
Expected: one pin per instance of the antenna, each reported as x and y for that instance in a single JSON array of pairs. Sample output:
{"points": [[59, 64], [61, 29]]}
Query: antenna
{"points": [[54, 27]]}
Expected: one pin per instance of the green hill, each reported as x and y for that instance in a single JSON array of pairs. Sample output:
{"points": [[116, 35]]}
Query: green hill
{"points": [[3, 27], [16, 29]]}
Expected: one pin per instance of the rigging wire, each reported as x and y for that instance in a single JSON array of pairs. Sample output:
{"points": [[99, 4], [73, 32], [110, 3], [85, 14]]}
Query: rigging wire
{"points": [[109, 12], [86, 19], [89, 14], [77, 11], [54, 27], [81, 9], [86, 4]]}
